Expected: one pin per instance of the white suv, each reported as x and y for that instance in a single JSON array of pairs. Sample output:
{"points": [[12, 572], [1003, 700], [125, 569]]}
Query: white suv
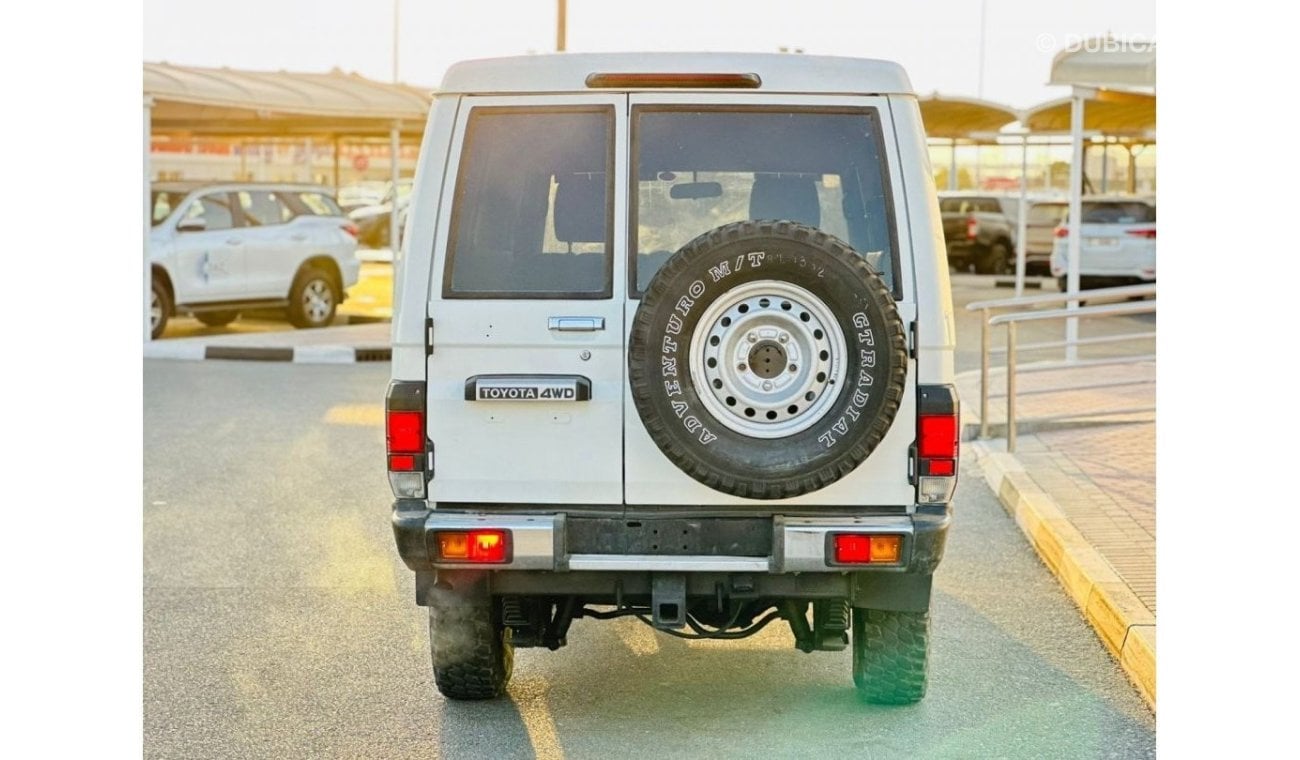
{"points": [[219, 249], [673, 339]]}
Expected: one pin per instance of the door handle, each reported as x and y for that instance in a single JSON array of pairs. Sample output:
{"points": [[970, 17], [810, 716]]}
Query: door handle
{"points": [[575, 324], [297, 238], [233, 241]]}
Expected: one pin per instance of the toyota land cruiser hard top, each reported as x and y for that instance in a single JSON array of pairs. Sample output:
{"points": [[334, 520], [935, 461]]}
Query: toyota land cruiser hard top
{"points": [[673, 339]]}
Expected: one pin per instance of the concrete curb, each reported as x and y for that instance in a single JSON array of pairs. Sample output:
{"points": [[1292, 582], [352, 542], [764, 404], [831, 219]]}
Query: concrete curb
{"points": [[1120, 619], [325, 354]]}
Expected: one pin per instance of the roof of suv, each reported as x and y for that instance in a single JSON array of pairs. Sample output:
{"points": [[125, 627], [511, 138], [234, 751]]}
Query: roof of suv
{"points": [[568, 72]]}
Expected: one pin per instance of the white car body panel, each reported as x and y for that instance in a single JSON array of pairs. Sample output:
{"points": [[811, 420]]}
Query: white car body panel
{"points": [[516, 452]]}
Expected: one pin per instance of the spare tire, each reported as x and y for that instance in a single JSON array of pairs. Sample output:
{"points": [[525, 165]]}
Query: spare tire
{"points": [[767, 359]]}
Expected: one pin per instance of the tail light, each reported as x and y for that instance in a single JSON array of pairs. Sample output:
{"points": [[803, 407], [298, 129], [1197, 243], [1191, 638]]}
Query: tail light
{"points": [[1148, 234], [351, 229], [938, 432], [408, 449], [859, 549], [485, 546], [1061, 231], [972, 228]]}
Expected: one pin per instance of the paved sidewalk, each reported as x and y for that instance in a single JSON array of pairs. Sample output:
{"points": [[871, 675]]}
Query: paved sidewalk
{"points": [[1083, 482]]}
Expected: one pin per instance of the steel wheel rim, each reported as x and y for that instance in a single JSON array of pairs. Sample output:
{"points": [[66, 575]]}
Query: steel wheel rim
{"points": [[155, 309], [767, 359], [317, 300]]}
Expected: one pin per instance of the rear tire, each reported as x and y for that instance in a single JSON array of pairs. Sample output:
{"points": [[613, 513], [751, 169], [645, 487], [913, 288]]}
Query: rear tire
{"points": [[890, 655], [216, 318], [998, 260], [472, 656], [313, 299]]}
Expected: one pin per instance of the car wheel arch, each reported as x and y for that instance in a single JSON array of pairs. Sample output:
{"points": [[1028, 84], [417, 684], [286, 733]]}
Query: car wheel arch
{"points": [[326, 264]]}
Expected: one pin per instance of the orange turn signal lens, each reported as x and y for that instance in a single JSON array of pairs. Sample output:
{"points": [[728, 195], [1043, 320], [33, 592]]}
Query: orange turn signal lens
{"points": [[886, 548], [472, 545]]}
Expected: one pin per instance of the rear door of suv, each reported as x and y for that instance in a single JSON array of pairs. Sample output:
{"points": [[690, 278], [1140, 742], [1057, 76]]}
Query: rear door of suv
{"points": [[526, 375], [831, 155]]}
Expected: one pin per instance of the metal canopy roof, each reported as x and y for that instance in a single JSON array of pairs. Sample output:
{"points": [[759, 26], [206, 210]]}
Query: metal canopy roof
{"points": [[960, 118], [205, 101], [1107, 62], [1111, 112]]}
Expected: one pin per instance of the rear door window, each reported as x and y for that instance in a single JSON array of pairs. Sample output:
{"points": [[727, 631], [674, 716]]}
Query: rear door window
{"points": [[318, 204], [533, 206], [698, 168]]}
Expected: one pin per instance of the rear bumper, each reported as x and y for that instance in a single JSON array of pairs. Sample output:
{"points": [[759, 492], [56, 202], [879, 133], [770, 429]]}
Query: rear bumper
{"points": [[792, 545]]}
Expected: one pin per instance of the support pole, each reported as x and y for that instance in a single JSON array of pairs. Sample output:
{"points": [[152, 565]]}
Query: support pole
{"points": [[1022, 216], [148, 218], [561, 25], [395, 150], [1105, 153], [952, 166], [1132, 170], [335, 142], [1076, 211]]}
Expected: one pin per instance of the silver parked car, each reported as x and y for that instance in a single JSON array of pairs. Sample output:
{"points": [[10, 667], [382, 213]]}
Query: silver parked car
{"points": [[219, 249]]}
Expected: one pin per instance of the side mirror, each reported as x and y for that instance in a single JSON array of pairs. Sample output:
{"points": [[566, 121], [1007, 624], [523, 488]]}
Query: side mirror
{"points": [[193, 224]]}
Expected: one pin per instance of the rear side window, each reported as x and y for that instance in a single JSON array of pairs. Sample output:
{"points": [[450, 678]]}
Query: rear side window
{"points": [[1118, 212], [532, 211], [319, 204], [262, 207], [697, 169]]}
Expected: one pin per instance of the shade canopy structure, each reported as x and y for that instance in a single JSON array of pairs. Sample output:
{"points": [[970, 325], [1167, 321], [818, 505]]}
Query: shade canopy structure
{"points": [[1110, 112], [189, 100], [1112, 88], [1107, 62], [955, 118]]}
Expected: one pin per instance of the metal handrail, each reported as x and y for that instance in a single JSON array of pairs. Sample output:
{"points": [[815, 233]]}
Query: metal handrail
{"points": [[1073, 311]]}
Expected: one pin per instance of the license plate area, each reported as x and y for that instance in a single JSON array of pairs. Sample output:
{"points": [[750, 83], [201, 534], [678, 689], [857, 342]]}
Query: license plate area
{"points": [[731, 537]]}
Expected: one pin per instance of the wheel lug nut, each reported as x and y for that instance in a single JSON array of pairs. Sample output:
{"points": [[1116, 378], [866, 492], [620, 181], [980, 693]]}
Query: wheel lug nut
{"points": [[794, 368], [742, 367], [767, 385], [783, 337], [752, 338]]}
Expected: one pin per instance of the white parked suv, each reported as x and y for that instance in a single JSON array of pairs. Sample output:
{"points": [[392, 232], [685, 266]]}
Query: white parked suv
{"points": [[219, 249], [1117, 244], [673, 339]]}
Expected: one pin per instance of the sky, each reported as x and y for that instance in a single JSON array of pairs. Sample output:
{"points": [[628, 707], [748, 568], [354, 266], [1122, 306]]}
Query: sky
{"points": [[937, 41]]}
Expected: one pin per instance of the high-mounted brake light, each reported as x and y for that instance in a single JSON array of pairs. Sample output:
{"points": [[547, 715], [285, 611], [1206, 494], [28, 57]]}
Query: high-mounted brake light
{"points": [[1148, 234], [472, 545], [702, 81], [938, 432], [1061, 231], [351, 229]]}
